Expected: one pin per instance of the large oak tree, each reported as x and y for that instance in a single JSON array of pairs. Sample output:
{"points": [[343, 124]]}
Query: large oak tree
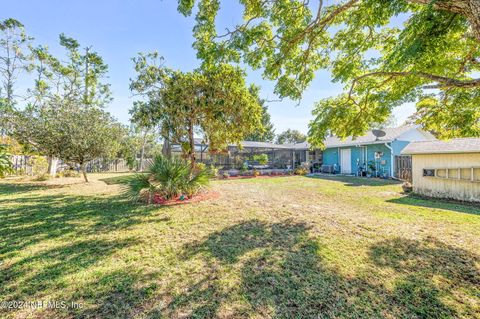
{"points": [[432, 58]]}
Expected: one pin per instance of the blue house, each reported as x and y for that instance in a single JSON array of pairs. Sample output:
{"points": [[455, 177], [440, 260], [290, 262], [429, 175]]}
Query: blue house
{"points": [[350, 156]]}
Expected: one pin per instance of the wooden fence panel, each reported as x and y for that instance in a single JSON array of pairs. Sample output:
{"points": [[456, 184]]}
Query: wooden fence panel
{"points": [[403, 167]]}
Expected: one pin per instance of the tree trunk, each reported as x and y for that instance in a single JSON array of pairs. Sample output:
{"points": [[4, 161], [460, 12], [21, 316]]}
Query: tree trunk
{"points": [[142, 155], [142, 151], [191, 151], [474, 17], [166, 148], [52, 165], [468, 8], [84, 172]]}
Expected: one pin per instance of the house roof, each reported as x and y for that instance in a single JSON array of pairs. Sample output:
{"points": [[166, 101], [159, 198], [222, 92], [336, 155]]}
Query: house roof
{"points": [[457, 145], [249, 144], [297, 146], [253, 144], [391, 134]]}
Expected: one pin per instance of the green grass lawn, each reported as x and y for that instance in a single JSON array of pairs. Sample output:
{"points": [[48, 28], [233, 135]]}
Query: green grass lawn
{"points": [[287, 247]]}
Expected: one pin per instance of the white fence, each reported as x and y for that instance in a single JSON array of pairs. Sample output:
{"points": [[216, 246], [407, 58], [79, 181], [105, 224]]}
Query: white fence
{"points": [[21, 164]]}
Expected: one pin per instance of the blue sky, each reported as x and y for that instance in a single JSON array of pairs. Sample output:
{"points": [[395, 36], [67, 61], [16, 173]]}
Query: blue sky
{"points": [[119, 29]]}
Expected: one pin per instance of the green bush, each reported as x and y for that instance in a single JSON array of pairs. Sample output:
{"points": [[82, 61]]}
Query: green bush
{"points": [[167, 179], [39, 165], [300, 171], [262, 159], [213, 171], [200, 166], [131, 162], [372, 167], [244, 167], [5, 164]]}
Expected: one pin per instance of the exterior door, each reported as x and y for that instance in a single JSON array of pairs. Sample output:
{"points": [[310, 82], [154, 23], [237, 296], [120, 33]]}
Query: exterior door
{"points": [[346, 161]]}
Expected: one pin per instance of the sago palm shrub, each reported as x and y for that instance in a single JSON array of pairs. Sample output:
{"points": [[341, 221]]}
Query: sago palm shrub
{"points": [[167, 179]]}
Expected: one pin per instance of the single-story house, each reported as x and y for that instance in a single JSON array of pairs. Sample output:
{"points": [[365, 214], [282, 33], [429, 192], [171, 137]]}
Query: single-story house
{"points": [[342, 156], [446, 169], [349, 156]]}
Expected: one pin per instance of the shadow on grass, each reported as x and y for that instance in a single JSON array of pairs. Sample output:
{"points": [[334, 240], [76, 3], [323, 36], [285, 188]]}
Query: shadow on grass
{"points": [[42, 271], [117, 293], [249, 269], [430, 272], [19, 188], [28, 220], [280, 273], [67, 220], [356, 181], [420, 201]]}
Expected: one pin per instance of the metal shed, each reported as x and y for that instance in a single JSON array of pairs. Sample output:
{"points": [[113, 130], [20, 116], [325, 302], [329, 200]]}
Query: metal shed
{"points": [[446, 169]]}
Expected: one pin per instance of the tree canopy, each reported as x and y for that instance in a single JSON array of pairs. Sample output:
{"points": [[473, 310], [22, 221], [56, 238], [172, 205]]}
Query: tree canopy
{"points": [[14, 60], [432, 58], [291, 136], [64, 117], [214, 103], [265, 132], [14, 57]]}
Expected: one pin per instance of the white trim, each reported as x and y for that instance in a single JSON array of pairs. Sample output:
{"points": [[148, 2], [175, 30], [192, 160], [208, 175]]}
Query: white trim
{"points": [[391, 159], [359, 144]]}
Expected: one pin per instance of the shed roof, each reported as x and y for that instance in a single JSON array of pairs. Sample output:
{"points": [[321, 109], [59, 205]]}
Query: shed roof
{"points": [[457, 145]]}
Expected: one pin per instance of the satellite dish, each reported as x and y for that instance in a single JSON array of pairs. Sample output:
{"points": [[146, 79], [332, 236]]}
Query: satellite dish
{"points": [[378, 133]]}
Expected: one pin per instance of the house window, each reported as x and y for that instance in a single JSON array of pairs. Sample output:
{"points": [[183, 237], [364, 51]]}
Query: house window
{"points": [[428, 172]]}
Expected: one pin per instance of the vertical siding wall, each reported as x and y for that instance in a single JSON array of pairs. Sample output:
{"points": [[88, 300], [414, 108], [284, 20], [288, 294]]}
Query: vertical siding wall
{"points": [[446, 188]]}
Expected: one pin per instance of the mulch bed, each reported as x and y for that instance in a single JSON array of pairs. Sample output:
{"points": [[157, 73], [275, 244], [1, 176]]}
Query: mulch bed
{"points": [[197, 198]]}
